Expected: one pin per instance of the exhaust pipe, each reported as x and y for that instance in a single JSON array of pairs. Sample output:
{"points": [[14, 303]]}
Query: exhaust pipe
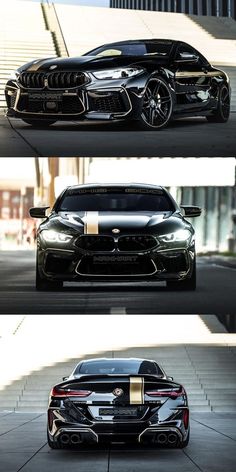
{"points": [[64, 439], [172, 439], [75, 439], [162, 438]]}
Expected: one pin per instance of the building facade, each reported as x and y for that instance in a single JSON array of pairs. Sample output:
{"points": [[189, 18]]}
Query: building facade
{"points": [[192, 7]]}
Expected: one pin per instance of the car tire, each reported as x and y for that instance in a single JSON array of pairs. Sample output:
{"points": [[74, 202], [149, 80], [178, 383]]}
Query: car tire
{"points": [[184, 443], [157, 105], [42, 284], [52, 444], [222, 113], [39, 123], [186, 284]]}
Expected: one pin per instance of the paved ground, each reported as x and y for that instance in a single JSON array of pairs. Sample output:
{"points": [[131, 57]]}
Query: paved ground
{"points": [[215, 293], [23, 447], [184, 138]]}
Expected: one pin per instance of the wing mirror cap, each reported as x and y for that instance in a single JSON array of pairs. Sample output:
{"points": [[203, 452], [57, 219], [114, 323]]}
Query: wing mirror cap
{"points": [[38, 212], [191, 211], [170, 378], [65, 378]]}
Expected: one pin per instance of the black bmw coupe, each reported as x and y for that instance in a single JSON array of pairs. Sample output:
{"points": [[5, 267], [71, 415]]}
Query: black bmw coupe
{"points": [[118, 400], [148, 81], [116, 232]]}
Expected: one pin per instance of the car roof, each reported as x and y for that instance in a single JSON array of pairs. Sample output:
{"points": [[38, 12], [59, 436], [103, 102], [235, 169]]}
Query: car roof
{"points": [[109, 359], [115, 185]]}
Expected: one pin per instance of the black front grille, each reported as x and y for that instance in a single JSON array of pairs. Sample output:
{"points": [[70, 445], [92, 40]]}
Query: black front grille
{"points": [[109, 103], [136, 243], [67, 104], [96, 243], [53, 80]]}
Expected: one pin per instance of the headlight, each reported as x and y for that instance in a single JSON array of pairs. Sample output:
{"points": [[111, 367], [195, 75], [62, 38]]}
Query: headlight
{"points": [[14, 75], [117, 73], [180, 235], [51, 236]]}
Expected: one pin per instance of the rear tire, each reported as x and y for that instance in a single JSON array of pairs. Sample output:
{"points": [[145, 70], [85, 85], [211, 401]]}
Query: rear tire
{"points": [[221, 115], [39, 123], [187, 284], [44, 285], [184, 444], [52, 444]]}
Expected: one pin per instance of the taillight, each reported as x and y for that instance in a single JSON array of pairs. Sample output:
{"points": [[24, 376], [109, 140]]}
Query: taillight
{"points": [[166, 393], [59, 392]]}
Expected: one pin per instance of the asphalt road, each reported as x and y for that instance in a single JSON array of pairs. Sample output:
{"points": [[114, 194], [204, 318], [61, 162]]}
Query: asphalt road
{"points": [[189, 137], [23, 447], [215, 293]]}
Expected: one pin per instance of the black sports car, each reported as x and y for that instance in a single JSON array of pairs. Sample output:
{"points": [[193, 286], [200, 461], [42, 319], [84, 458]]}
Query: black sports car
{"points": [[150, 81], [118, 400], [115, 231]]}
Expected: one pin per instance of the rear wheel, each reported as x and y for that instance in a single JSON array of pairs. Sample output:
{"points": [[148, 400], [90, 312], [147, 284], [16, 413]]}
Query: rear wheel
{"points": [[157, 105], [187, 284], [221, 115], [39, 123], [44, 285], [184, 443], [52, 444]]}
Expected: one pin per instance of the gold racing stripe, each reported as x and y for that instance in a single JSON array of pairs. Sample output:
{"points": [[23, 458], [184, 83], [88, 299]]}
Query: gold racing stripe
{"points": [[91, 223], [136, 390]]}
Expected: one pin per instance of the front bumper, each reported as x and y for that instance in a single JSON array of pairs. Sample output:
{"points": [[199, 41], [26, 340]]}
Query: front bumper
{"points": [[97, 100], [76, 265]]}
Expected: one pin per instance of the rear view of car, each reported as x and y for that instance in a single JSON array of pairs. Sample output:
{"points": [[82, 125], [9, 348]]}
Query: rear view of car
{"points": [[118, 400]]}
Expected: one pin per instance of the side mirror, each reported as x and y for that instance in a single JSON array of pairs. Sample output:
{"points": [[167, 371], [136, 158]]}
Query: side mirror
{"points": [[170, 378], [185, 57], [191, 211], [38, 212], [65, 378]]}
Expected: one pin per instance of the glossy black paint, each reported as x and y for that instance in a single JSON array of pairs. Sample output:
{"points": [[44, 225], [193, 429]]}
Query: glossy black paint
{"points": [[125, 243], [105, 407], [193, 87]]}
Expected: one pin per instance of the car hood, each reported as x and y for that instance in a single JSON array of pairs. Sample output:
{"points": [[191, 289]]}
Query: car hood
{"points": [[87, 63], [129, 222]]}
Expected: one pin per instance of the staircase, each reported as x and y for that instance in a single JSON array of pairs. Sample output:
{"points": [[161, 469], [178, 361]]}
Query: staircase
{"points": [[207, 372], [23, 37]]}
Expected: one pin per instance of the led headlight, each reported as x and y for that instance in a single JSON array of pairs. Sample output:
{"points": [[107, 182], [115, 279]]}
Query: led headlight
{"points": [[180, 235], [117, 73], [14, 75], [51, 236]]}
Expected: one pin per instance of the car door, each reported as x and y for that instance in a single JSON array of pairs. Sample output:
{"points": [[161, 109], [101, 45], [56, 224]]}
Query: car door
{"points": [[192, 80]]}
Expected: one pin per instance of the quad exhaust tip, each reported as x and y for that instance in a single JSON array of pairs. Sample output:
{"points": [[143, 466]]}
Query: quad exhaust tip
{"points": [[65, 439]]}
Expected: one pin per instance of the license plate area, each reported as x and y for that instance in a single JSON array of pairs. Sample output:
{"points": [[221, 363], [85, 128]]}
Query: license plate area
{"points": [[118, 411], [104, 259], [45, 96]]}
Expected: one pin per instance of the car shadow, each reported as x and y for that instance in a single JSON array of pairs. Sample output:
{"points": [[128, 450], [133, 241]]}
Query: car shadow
{"points": [[118, 126]]}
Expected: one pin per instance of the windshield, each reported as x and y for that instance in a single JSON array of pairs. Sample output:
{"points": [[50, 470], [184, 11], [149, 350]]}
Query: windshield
{"points": [[116, 201], [118, 366], [159, 48]]}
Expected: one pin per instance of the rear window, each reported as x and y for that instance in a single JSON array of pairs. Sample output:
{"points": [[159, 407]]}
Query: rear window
{"points": [[119, 367], [116, 201]]}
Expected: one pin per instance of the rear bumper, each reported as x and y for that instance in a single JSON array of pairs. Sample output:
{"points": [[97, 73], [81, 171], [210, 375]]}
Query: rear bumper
{"points": [[71, 434]]}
